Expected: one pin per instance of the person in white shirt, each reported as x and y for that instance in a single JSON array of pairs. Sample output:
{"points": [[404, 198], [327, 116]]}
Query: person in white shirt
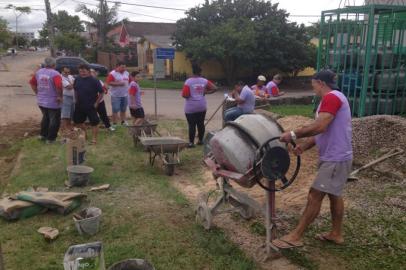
{"points": [[68, 101]]}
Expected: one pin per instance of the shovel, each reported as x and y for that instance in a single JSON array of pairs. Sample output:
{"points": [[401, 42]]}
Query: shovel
{"points": [[218, 108], [393, 152]]}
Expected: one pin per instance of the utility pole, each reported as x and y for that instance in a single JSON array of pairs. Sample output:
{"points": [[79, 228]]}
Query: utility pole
{"points": [[51, 29], [21, 10], [102, 24]]}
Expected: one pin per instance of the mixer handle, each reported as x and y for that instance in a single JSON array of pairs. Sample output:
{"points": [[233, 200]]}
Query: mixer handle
{"points": [[286, 182]]}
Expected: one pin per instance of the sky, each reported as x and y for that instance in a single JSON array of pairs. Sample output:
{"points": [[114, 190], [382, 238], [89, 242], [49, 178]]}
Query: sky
{"points": [[34, 21]]}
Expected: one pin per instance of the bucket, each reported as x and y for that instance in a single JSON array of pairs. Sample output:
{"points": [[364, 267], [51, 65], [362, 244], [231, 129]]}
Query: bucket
{"points": [[87, 221], [88, 256], [79, 175], [132, 264]]}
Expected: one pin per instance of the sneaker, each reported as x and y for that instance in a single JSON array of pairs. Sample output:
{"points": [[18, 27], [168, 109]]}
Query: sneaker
{"points": [[112, 128], [199, 143], [41, 138], [191, 145], [125, 123]]}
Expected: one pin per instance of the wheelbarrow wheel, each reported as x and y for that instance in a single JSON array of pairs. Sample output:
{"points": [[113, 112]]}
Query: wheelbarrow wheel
{"points": [[203, 215], [169, 165]]}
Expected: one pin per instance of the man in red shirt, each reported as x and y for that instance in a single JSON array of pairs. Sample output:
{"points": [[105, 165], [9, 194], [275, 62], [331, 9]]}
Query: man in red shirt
{"points": [[331, 132]]}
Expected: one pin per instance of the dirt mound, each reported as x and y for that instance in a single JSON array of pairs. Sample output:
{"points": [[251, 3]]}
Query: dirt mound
{"points": [[376, 135]]}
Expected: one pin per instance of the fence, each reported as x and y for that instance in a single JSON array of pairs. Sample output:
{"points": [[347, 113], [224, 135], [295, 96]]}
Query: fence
{"points": [[366, 47]]}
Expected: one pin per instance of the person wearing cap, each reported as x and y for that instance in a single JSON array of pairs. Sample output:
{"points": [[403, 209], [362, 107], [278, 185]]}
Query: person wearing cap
{"points": [[245, 99], [331, 132], [272, 89], [47, 86], [259, 88]]}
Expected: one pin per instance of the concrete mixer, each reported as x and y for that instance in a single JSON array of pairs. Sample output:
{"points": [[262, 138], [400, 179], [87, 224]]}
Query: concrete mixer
{"points": [[248, 152]]}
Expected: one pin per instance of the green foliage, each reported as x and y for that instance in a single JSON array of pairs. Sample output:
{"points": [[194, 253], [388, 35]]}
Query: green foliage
{"points": [[286, 110], [244, 34], [5, 35], [21, 10], [71, 42], [63, 23], [313, 30], [22, 41], [103, 18]]}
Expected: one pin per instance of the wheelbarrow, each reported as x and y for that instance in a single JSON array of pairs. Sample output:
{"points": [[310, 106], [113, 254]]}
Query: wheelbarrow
{"points": [[146, 129], [165, 148]]}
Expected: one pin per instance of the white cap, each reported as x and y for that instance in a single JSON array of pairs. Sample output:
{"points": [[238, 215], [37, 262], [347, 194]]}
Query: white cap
{"points": [[261, 78]]}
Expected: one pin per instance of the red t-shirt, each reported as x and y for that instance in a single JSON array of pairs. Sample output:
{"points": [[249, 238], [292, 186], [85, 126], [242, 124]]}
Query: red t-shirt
{"points": [[330, 104]]}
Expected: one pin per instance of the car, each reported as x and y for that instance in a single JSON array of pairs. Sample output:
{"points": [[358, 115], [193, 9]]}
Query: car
{"points": [[11, 51], [73, 62]]}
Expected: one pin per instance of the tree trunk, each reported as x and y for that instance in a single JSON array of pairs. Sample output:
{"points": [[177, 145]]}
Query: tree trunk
{"points": [[229, 69]]}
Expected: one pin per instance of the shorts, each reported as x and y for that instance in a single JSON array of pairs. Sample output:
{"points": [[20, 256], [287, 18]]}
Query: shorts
{"points": [[119, 104], [68, 107], [332, 176], [137, 113], [81, 114]]}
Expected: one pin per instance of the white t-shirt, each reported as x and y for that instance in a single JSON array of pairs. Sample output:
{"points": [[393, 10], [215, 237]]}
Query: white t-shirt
{"points": [[66, 81]]}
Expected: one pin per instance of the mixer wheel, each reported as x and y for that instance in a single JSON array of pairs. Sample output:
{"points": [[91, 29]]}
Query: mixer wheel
{"points": [[204, 216]]}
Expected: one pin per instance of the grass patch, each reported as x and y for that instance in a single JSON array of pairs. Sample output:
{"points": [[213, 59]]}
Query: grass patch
{"points": [[160, 84], [144, 216], [286, 110]]}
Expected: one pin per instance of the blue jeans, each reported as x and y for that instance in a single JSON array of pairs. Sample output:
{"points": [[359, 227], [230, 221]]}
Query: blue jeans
{"points": [[119, 104], [68, 107], [232, 114]]}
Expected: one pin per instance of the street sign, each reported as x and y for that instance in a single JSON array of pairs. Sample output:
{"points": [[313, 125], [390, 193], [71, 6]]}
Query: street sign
{"points": [[165, 53], [159, 68]]}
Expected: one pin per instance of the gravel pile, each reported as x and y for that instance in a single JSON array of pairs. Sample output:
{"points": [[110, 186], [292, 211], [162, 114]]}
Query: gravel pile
{"points": [[376, 135]]}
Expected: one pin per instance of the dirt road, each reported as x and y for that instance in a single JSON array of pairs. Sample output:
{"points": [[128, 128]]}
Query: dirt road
{"points": [[17, 102]]}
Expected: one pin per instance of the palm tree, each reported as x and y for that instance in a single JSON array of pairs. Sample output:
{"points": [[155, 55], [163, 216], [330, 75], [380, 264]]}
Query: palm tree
{"points": [[103, 18]]}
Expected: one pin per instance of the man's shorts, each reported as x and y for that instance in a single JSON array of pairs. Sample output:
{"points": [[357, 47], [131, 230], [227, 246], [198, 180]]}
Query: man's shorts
{"points": [[332, 176], [119, 104], [137, 113], [68, 107], [81, 114]]}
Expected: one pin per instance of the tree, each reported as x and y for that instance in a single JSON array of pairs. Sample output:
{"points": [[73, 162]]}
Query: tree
{"points": [[103, 18], [20, 41], [314, 30], [18, 11], [71, 42], [63, 23], [5, 35], [245, 34]]}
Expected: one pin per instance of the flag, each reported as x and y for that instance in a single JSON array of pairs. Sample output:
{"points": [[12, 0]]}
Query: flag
{"points": [[124, 41]]}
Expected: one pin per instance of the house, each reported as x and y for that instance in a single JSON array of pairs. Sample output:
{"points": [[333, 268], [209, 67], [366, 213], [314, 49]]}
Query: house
{"points": [[147, 36]]}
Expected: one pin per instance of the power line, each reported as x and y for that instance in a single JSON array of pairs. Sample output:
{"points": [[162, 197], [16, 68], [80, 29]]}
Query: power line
{"points": [[140, 14], [147, 15], [60, 3], [148, 6]]}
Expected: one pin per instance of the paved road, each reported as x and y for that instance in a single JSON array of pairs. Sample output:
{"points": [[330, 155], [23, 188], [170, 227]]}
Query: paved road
{"points": [[18, 103]]}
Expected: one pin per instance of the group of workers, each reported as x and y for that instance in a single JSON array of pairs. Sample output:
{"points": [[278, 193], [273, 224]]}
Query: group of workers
{"points": [[196, 87], [81, 98], [64, 98]]}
